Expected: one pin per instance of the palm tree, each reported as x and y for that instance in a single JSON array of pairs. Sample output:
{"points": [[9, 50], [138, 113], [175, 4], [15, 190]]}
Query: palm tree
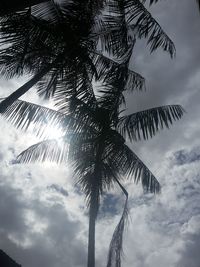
{"points": [[94, 131], [93, 142], [36, 41], [40, 47]]}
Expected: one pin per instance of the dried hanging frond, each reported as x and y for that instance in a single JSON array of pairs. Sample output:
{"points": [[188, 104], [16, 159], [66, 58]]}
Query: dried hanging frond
{"points": [[116, 244]]}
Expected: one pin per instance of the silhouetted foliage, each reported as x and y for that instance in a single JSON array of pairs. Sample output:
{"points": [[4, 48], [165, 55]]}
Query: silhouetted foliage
{"points": [[66, 46]]}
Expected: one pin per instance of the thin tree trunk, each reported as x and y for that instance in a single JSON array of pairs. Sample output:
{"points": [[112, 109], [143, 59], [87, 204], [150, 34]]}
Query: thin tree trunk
{"points": [[91, 236], [23, 89], [8, 6], [94, 206]]}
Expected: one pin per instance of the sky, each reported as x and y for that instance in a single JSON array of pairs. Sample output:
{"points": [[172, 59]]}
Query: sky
{"points": [[43, 217]]}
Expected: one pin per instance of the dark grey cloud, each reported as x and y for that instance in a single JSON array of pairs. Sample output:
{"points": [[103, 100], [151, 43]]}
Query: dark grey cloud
{"points": [[185, 157], [190, 250], [59, 189]]}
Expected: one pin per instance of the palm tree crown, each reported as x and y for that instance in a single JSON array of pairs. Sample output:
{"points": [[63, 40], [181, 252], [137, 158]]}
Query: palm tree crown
{"points": [[65, 46]]}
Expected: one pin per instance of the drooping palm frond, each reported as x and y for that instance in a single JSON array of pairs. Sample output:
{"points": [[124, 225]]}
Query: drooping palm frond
{"points": [[144, 25], [42, 120], [134, 167], [128, 164], [145, 124], [48, 150], [26, 115], [74, 147], [115, 248]]}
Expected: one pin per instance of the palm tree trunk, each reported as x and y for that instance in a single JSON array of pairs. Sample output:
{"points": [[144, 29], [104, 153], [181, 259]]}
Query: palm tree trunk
{"points": [[94, 204], [23, 89], [8, 6], [91, 236]]}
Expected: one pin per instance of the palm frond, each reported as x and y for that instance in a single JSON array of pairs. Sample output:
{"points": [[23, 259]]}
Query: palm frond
{"points": [[115, 248], [107, 68], [112, 31], [74, 148], [127, 163], [39, 119], [147, 123], [144, 25], [49, 10], [75, 84], [48, 150], [27, 45], [117, 80]]}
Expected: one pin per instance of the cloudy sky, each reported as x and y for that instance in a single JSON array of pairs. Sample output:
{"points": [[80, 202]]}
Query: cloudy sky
{"points": [[43, 219]]}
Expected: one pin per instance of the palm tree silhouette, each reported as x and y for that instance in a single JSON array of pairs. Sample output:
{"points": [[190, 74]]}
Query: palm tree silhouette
{"points": [[99, 48], [93, 141], [64, 44]]}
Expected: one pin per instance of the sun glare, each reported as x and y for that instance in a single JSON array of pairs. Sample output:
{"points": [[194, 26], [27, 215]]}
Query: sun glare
{"points": [[54, 132]]}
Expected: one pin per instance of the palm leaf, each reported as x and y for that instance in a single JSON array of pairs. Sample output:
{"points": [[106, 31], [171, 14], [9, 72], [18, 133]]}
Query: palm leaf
{"points": [[48, 150], [50, 11], [26, 115], [27, 45], [107, 68], [112, 31], [144, 25], [75, 85], [147, 123], [133, 166], [76, 148], [127, 163], [116, 82], [42, 120]]}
